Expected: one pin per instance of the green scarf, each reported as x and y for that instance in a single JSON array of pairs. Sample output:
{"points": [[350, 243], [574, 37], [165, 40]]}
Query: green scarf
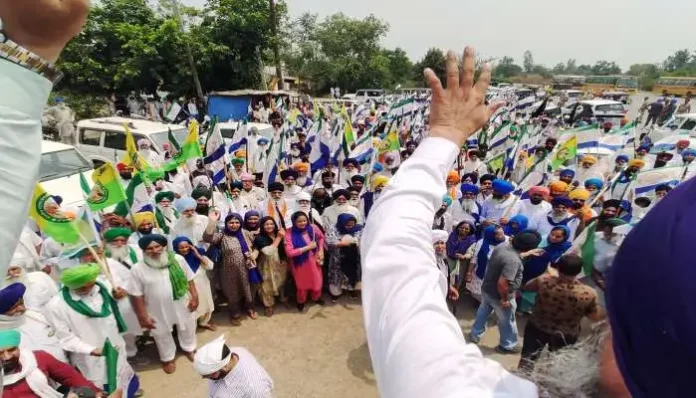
{"points": [[108, 307], [177, 277], [161, 222]]}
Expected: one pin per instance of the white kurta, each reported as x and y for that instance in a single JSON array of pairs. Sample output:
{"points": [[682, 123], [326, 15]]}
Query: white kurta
{"points": [[80, 335], [332, 212], [291, 194], [492, 210], [155, 285], [206, 305], [38, 334], [531, 211], [542, 225], [192, 231], [471, 166], [123, 279], [407, 321], [254, 196], [287, 216]]}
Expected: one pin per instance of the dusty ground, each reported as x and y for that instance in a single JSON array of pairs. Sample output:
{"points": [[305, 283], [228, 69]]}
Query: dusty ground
{"points": [[322, 353]]}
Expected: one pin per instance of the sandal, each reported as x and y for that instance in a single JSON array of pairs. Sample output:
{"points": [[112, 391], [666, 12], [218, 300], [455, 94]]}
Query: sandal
{"points": [[235, 321], [253, 314], [268, 311], [169, 367]]}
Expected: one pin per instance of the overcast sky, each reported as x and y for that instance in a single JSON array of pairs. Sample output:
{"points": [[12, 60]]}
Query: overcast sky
{"points": [[625, 31]]}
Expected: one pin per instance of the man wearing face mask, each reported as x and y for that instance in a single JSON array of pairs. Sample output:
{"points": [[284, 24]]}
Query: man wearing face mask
{"points": [[238, 204], [289, 177], [231, 371], [191, 224], [64, 118]]}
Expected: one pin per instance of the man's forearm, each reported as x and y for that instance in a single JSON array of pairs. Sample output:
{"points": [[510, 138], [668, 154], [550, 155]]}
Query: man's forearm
{"points": [[22, 99], [138, 303], [503, 289]]}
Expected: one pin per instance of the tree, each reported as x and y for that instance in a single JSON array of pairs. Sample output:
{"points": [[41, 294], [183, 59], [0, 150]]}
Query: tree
{"points": [[571, 67], [528, 62], [606, 68], [400, 66], [681, 59], [433, 59], [559, 69], [506, 68], [647, 74]]}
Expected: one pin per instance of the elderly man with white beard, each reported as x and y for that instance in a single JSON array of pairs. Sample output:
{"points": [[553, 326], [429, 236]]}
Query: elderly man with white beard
{"points": [[470, 209], [289, 178], [304, 204], [190, 224], [150, 156], [276, 206], [164, 295], [253, 194], [351, 168], [340, 206], [165, 214], [121, 258]]}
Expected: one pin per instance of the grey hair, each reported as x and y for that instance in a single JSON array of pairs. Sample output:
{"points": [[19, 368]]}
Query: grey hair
{"points": [[572, 372]]}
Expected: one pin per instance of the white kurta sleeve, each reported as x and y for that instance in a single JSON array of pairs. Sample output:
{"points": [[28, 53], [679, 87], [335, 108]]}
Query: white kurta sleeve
{"points": [[22, 99], [68, 340], [185, 267], [416, 345]]}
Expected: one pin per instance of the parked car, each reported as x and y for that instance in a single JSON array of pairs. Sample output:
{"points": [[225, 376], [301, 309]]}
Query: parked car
{"points": [[104, 139], [59, 172]]}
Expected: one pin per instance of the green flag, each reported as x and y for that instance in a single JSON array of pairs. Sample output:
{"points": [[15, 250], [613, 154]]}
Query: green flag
{"points": [[110, 355], [173, 142], [107, 190], [190, 149], [587, 250]]}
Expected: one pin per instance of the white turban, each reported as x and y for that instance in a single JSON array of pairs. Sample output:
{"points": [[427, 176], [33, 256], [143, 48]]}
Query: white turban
{"points": [[303, 196], [40, 289], [439, 236], [207, 359]]}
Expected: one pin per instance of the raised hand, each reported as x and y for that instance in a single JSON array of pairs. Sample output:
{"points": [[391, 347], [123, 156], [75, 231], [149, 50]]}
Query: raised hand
{"points": [[459, 110], [43, 26]]}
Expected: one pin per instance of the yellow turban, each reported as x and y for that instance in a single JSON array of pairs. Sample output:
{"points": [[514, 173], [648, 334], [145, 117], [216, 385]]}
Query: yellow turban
{"points": [[301, 167], [589, 159], [379, 180], [78, 276], [640, 163], [143, 217], [580, 193], [240, 153], [558, 187], [453, 176]]}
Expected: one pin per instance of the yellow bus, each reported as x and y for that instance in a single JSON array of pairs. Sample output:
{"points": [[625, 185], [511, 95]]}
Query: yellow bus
{"points": [[568, 82], [678, 86], [597, 84]]}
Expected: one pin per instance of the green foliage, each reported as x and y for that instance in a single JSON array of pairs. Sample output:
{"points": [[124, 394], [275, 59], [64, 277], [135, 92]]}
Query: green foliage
{"points": [[647, 74], [85, 106], [433, 59], [506, 69]]}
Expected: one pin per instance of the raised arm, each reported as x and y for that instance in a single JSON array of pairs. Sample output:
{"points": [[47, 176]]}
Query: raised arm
{"points": [[416, 345]]}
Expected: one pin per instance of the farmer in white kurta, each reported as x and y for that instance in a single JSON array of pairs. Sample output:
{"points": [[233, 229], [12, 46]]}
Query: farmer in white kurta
{"points": [[164, 295], [85, 314], [121, 258], [190, 224]]}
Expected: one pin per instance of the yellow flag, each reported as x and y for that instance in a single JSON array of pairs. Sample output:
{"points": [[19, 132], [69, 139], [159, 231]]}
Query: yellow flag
{"points": [[132, 157], [51, 219], [567, 151]]}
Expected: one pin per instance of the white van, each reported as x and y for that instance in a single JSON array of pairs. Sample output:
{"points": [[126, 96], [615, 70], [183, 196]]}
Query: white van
{"points": [[59, 172], [104, 139]]}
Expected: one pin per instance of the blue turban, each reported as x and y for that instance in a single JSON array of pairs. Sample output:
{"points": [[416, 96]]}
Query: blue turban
{"points": [[377, 167], [646, 147], [145, 241], [502, 187], [594, 181], [184, 204], [688, 151], [469, 188], [447, 200], [653, 338], [622, 157], [568, 172], [10, 295], [262, 141], [562, 200]]}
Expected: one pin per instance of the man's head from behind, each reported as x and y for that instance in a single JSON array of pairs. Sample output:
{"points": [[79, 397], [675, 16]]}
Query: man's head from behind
{"points": [[526, 240], [569, 265]]}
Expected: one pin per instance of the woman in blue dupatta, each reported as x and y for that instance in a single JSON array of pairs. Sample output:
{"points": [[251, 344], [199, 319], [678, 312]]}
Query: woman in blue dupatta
{"points": [[238, 280], [480, 254], [557, 243], [344, 256], [458, 242], [199, 263]]}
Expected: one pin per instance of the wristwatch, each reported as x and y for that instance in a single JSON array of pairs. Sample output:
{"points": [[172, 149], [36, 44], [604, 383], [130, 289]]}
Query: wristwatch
{"points": [[13, 52]]}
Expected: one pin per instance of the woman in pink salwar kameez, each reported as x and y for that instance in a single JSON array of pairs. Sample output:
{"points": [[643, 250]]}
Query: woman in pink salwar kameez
{"points": [[304, 245]]}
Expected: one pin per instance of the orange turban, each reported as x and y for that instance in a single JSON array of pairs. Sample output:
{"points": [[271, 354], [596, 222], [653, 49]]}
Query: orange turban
{"points": [[636, 162], [301, 167], [453, 176], [589, 159], [558, 187]]}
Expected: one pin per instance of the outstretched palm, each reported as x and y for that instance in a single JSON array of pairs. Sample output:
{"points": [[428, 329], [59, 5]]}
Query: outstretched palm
{"points": [[459, 110]]}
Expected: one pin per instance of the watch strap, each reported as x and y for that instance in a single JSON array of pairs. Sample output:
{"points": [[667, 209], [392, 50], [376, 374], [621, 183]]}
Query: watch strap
{"points": [[13, 52]]}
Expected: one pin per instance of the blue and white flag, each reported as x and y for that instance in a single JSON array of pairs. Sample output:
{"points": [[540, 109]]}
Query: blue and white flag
{"points": [[363, 149], [216, 159], [240, 137], [646, 181], [320, 146], [271, 171]]}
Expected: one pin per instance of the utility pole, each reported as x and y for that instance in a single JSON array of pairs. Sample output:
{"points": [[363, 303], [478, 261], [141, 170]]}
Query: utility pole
{"points": [[276, 50], [189, 54]]}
